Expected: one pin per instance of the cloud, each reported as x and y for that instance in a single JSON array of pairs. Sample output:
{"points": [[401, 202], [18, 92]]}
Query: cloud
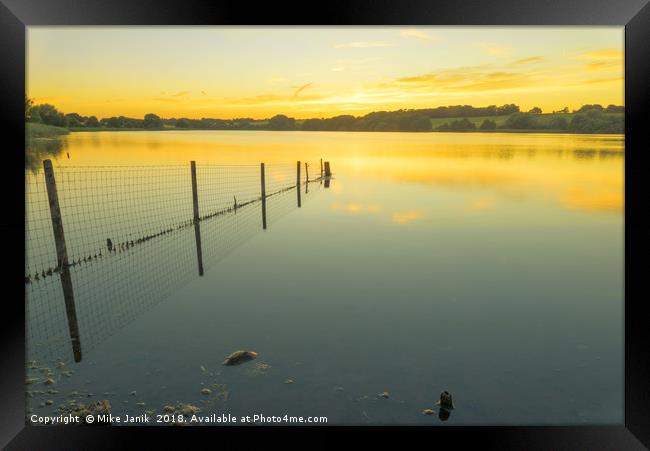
{"points": [[181, 94], [417, 34], [299, 89], [529, 60], [604, 65], [363, 44], [600, 54], [404, 217], [463, 79], [602, 59], [494, 49], [167, 99]]}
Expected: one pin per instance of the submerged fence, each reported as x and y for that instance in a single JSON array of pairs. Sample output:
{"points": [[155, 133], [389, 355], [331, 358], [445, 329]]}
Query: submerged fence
{"points": [[105, 243]]}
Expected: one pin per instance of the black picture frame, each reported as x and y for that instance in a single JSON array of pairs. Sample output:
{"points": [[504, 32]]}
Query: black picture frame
{"points": [[15, 15]]}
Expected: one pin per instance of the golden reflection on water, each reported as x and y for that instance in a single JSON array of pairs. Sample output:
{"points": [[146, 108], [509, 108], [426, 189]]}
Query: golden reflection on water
{"points": [[583, 172]]}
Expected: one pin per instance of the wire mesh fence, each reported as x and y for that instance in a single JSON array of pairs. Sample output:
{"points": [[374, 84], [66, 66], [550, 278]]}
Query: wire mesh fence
{"points": [[132, 239]]}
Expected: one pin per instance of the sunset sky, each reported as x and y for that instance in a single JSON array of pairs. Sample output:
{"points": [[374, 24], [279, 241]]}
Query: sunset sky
{"points": [[226, 72]]}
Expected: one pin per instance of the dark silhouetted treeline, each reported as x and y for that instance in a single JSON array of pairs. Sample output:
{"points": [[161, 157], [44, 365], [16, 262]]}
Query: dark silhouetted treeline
{"points": [[588, 119]]}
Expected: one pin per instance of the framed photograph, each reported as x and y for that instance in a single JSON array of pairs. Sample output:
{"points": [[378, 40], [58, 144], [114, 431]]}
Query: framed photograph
{"points": [[420, 214]]}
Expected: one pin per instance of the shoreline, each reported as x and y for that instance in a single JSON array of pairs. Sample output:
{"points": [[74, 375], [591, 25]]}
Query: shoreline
{"points": [[529, 131]]}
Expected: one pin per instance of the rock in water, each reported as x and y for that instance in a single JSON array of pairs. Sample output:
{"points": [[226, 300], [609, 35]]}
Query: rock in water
{"points": [[238, 357], [428, 412], [446, 401]]}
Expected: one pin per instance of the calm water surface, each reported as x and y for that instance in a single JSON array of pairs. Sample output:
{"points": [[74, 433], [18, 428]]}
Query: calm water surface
{"points": [[489, 265]]}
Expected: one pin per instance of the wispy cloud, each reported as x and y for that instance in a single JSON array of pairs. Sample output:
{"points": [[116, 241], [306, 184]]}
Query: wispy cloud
{"points": [[529, 60], [363, 44], [181, 94], [602, 59], [417, 34], [494, 49], [168, 99], [601, 54], [300, 89], [479, 78]]}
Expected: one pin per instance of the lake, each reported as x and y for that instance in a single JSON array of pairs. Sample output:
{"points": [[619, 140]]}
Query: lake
{"points": [[489, 265]]}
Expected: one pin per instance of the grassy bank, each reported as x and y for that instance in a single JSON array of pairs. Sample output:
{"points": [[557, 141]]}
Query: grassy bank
{"points": [[34, 130], [543, 119]]}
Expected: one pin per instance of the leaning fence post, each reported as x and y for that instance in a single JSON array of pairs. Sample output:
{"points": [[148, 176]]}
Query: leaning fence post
{"points": [[62, 258], [321, 168], [263, 185], [298, 182], [197, 226]]}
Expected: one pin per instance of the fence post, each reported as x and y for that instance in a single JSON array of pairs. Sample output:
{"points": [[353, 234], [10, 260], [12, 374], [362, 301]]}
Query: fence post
{"points": [[62, 259], [197, 226], [321, 168], [328, 174], [263, 183], [298, 182]]}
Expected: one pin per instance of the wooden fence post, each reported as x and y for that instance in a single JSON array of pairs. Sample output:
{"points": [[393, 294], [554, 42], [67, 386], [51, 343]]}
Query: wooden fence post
{"points": [[298, 182], [321, 168], [263, 183], [328, 172], [62, 259], [197, 226]]}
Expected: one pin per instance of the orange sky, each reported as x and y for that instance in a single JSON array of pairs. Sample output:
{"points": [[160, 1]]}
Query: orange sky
{"points": [[319, 71]]}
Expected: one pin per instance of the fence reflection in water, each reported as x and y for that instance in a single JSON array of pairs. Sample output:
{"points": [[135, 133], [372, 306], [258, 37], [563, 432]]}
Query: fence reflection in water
{"points": [[132, 239]]}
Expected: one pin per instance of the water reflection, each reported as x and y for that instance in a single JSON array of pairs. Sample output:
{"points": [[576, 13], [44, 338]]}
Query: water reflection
{"points": [[39, 149], [79, 305]]}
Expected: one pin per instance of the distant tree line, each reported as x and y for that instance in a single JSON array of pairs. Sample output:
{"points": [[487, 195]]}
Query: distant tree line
{"points": [[587, 119]]}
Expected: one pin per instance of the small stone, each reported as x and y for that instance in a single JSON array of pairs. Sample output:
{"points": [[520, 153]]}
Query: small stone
{"points": [[49, 402], [169, 409], [239, 357], [140, 404], [383, 395], [49, 381], [289, 381], [133, 393], [206, 391], [428, 412]]}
